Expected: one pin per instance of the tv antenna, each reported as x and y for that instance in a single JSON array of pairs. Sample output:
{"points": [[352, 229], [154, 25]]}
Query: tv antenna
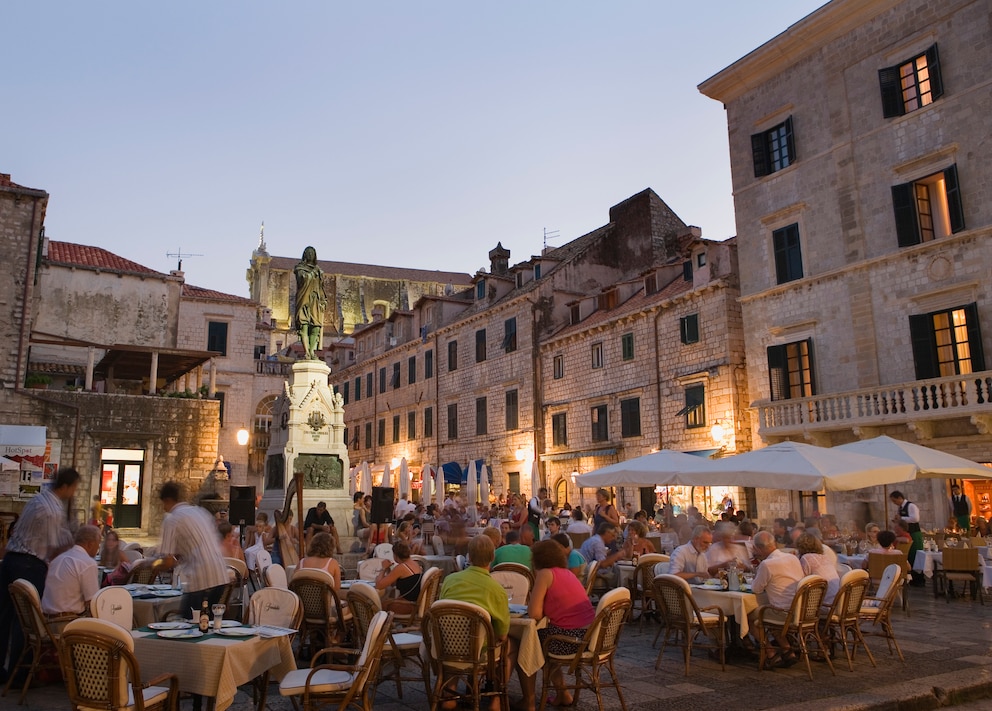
{"points": [[180, 255], [553, 234]]}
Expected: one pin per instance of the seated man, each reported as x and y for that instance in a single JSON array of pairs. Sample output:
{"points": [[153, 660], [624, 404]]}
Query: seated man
{"points": [[319, 521], [775, 584], [72, 578], [598, 548], [475, 585], [513, 551], [578, 524], [726, 552], [689, 560]]}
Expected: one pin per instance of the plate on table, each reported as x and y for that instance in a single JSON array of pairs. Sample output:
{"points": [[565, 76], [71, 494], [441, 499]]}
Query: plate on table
{"points": [[134, 586], [159, 586], [170, 626], [223, 623], [166, 593], [518, 610], [236, 631], [180, 634], [710, 586]]}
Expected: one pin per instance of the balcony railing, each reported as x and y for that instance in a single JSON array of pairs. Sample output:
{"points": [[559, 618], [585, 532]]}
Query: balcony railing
{"points": [[939, 398]]}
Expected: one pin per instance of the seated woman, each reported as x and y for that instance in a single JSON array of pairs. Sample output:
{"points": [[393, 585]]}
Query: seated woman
{"points": [[871, 537], [637, 542], [360, 521], [230, 547], [576, 561], [405, 534], [254, 533], [814, 562], [405, 575], [111, 558], [886, 545], [561, 597], [320, 556]]}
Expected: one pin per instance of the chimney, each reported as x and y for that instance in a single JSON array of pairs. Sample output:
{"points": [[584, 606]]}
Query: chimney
{"points": [[499, 260]]}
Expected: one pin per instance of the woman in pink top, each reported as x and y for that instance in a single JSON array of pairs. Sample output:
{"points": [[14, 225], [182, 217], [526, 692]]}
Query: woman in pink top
{"points": [[320, 556], [561, 597]]}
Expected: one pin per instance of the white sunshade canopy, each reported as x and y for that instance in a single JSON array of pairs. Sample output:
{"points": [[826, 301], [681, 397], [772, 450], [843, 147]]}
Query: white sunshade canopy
{"points": [[664, 468], [930, 463]]}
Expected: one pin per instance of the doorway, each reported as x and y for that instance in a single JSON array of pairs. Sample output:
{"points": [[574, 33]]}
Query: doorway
{"points": [[121, 484]]}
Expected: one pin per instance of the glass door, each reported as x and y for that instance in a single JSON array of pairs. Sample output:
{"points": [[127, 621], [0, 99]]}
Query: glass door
{"points": [[121, 484]]}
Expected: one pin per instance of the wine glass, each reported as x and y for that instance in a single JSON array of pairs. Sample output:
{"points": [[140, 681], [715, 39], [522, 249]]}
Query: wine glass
{"points": [[218, 609]]}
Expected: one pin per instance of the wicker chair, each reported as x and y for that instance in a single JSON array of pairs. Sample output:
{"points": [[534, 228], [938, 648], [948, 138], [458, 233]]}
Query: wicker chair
{"points": [[101, 671], [800, 621], [961, 565], [275, 577], [113, 604], [461, 645], [516, 568], [684, 621], [323, 613], [347, 684], [516, 584], [591, 569], [400, 647], [841, 623], [275, 606], [593, 653], [40, 633], [144, 572], [642, 585], [877, 610], [430, 588]]}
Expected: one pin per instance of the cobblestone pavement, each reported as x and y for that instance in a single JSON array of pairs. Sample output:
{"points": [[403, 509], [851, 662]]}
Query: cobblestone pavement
{"points": [[948, 649]]}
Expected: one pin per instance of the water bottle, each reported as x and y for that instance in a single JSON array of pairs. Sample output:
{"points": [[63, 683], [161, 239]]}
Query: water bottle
{"points": [[734, 579]]}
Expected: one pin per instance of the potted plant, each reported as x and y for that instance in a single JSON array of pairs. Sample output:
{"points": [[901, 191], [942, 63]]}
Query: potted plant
{"points": [[37, 381]]}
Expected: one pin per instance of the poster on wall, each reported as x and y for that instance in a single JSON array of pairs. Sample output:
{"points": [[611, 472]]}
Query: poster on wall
{"points": [[39, 470]]}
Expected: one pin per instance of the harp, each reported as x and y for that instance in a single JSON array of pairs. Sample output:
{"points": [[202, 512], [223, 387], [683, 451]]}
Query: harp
{"points": [[291, 555]]}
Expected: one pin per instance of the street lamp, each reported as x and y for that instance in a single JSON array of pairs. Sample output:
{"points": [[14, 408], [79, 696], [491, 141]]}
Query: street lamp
{"points": [[242, 437]]}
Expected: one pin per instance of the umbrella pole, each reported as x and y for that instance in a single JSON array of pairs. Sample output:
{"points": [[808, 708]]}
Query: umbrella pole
{"points": [[885, 504]]}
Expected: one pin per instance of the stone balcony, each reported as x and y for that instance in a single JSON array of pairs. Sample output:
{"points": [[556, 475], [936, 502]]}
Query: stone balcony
{"points": [[955, 405]]}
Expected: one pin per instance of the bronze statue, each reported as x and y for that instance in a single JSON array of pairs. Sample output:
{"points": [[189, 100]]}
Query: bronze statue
{"points": [[310, 302]]}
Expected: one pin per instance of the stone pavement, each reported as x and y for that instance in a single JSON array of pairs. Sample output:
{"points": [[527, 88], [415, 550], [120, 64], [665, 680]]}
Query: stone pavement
{"points": [[948, 649]]}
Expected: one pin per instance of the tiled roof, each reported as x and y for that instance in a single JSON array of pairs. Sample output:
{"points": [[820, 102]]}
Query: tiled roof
{"points": [[375, 271], [198, 292], [81, 255]]}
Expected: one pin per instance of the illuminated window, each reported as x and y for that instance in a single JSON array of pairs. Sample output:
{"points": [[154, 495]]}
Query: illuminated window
{"points": [[929, 208], [947, 342], [790, 370], [911, 85]]}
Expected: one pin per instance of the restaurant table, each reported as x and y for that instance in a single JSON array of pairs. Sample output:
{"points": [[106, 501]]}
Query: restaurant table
{"points": [[446, 563], [530, 656], [733, 604], [154, 609], [855, 561], [626, 571], [926, 561], [213, 666], [472, 531], [985, 552]]}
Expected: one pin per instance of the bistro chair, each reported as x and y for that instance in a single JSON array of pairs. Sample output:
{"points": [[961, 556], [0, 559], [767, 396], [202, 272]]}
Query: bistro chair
{"points": [[101, 671], [516, 583], [144, 572], [438, 544], [684, 621], [961, 565], [275, 577], [593, 653], [346, 684], [877, 610], [40, 634], [113, 604], [430, 588], [801, 621], [591, 569], [323, 614], [578, 538], [642, 584], [275, 606], [841, 623], [400, 647], [369, 568], [384, 550], [877, 565]]}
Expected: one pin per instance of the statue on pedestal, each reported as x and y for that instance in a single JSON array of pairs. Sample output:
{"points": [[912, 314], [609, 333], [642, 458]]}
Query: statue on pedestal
{"points": [[310, 302]]}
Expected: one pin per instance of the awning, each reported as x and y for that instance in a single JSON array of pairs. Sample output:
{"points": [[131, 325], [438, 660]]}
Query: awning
{"points": [[455, 474], [135, 362], [22, 441], [576, 455]]}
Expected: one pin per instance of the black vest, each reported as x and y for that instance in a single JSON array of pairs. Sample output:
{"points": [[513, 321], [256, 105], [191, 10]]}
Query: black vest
{"points": [[903, 512], [960, 505]]}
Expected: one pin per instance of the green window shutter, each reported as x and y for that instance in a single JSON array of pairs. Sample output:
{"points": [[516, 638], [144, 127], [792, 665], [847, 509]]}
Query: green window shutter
{"points": [[907, 221], [790, 141], [778, 375], [955, 210], [924, 350], [759, 153], [933, 66], [888, 81]]}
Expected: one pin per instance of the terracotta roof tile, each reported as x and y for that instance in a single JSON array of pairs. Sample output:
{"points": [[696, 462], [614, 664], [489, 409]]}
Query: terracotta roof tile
{"points": [[81, 255], [374, 271], [198, 292]]}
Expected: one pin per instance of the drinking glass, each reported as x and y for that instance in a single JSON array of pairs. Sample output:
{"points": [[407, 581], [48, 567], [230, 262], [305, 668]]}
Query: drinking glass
{"points": [[218, 609]]}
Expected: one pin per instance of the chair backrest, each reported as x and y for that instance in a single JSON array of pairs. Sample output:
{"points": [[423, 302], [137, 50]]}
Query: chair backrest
{"points": [[238, 565], [878, 562], [674, 597], [976, 542], [316, 590], [904, 547], [516, 584], [662, 568], [960, 560], [144, 571], [644, 572], [438, 543], [27, 603], [277, 607], [809, 598], [371, 655], [113, 604], [591, 571], [516, 568], [851, 595], [578, 538], [131, 555], [458, 634], [365, 604], [263, 559], [843, 569], [97, 659], [461, 562], [369, 568], [384, 550], [889, 575], [611, 613], [430, 588], [275, 577]]}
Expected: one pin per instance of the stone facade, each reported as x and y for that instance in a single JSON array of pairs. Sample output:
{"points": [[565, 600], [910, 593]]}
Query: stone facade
{"points": [[861, 279]]}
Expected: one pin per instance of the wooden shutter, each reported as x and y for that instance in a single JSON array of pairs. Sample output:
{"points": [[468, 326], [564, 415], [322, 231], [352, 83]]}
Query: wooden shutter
{"points": [[888, 81], [974, 338], [907, 221], [759, 152], [778, 374], [790, 141], [924, 349], [933, 66], [687, 270], [955, 211]]}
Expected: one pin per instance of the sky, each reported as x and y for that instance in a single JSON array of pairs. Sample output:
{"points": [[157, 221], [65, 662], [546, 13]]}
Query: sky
{"points": [[412, 134]]}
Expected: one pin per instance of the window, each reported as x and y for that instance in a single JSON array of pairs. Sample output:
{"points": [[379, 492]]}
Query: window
{"points": [[559, 367], [559, 429], [513, 481], [687, 270], [428, 364], [428, 422], [396, 428], [411, 425], [452, 355], [630, 417], [651, 284], [600, 424], [382, 380], [607, 300], [217, 337], [694, 409], [597, 355], [453, 421], [689, 329], [411, 370], [574, 314], [774, 149], [358, 388], [219, 397], [368, 435], [512, 413], [259, 352], [395, 380], [947, 342], [344, 391], [510, 335], [790, 370], [911, 85], [368, 384], [537, 272], [480, 345], [627, 346], [788, 254], [480, 289], [381, 436], [481, 416], [701, 260], [929, 208]]}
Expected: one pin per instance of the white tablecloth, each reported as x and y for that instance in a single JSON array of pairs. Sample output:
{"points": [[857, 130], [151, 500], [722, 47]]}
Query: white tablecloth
{"points": [[855, 561], [626, 571], [735, 604], [213, 667], [446, 563], [154, 609], [530, 657], [926, 561]]}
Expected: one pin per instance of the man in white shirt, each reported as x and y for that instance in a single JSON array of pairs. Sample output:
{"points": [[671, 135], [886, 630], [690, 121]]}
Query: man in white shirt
{"points": [[775, 583], [726, 551], [689, 560], [578, 523], [73, 578]]}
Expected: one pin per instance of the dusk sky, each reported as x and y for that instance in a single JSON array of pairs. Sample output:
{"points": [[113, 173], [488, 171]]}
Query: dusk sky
{"points": [[415, 134]]}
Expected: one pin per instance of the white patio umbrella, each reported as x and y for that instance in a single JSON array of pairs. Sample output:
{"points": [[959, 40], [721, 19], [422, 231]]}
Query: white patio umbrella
{"points": [[930, 463], [535, 477], [366, 478], [387, 476], [797, 466], [484, 486], [352, 474], [404, 479], [473, 484], [655, 469], [439, 488], [425, 484]]}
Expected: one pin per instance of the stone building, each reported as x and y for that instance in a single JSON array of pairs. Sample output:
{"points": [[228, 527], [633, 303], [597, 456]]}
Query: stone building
{"points": [[861, 163]]}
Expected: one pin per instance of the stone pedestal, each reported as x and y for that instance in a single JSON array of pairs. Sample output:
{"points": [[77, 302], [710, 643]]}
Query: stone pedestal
{"points": [[307, 436]]}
